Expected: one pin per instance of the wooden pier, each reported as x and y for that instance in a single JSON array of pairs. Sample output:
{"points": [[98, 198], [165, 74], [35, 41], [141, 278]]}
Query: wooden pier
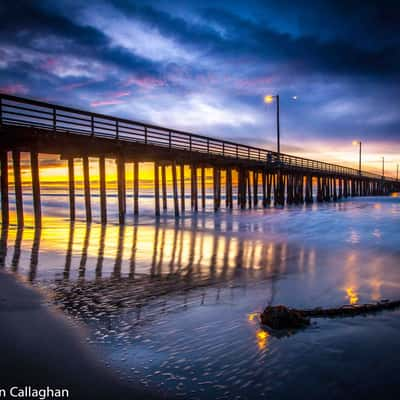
{"points": [[252, 175]]}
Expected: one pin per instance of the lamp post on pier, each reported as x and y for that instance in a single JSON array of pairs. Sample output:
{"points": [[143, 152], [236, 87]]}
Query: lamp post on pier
{"points": [[269, 99], [383, 167]]}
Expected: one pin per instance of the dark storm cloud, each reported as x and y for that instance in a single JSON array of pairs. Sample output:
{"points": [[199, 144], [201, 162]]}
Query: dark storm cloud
{"points": [[244, 37], [33, 27]]}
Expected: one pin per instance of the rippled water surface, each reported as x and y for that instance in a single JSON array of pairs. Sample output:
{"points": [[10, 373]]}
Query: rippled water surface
{"points": [[174, 304]]}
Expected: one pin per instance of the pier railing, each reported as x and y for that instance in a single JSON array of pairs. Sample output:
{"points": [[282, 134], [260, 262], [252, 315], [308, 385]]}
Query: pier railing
{"points": [[19, 111]]}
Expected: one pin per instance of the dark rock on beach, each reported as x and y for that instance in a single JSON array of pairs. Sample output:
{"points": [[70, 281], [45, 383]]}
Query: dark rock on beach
{"points": [[281, 317]]}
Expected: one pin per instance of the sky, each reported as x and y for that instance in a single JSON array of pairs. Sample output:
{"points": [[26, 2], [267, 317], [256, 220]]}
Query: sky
{"points": [[206, 66]]}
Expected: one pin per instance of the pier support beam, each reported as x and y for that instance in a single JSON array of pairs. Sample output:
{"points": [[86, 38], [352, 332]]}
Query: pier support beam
{"points": [[215, 191], [183, 187], [255, 188], [103, 190], [289, 189], [164, 187], [203, 188], [242, 178], [269, 188], [193, 188], [156, 190], [340, 183], [86, 185], [309, 189], [37, 207], [229, 187], [264, 188], [5, 218], [18, 187], [334, 189], [135, 188], [121, 190], [71, 188], [219, 187], [175, 189], [280, 189], [248, 187]]}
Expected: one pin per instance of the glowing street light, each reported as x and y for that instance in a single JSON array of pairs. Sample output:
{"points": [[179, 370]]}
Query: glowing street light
{"points": [[355, 143], [268, 99]]}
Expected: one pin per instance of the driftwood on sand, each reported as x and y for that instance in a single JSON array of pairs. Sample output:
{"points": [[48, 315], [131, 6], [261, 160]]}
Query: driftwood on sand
{"points": [[282, 317]]}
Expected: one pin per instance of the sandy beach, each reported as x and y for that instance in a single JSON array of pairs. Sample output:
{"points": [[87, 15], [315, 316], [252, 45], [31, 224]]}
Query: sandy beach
{"points": [[40, 348]]}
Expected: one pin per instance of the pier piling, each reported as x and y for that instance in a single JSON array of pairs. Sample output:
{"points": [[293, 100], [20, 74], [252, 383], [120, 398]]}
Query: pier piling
{"points": [[156, 189], [164, 187], [121, 190], [175, 189], [5, 218], [103, 190], [71, 188], [203, 188], [37, 207], [86, 185], [18, 187], [182, 187], [135, 188]]}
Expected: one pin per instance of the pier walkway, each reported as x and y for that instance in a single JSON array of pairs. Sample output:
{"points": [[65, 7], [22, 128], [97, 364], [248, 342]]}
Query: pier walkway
{"points": [[247, 174]]}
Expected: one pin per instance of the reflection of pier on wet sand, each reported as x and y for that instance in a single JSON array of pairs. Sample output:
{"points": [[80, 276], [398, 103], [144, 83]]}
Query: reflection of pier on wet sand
{"points": [[108, 266], [179, 251]]}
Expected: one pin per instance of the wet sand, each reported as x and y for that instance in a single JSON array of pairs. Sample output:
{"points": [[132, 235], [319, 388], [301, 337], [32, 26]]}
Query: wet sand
{"points": [[39, 347], [172, 306]]}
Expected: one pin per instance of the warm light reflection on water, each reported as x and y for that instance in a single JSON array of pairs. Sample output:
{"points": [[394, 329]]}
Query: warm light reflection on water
{"points": [[262, 339], [352, 295]]}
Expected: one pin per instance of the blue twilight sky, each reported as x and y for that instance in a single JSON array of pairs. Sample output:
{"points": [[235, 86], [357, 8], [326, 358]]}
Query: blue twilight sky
{"points": [[204, 66]]}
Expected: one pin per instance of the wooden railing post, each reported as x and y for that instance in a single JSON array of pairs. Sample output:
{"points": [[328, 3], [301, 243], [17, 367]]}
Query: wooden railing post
{"points": [[54, 119], [145, 134], [117, 129], [92, 125]]}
